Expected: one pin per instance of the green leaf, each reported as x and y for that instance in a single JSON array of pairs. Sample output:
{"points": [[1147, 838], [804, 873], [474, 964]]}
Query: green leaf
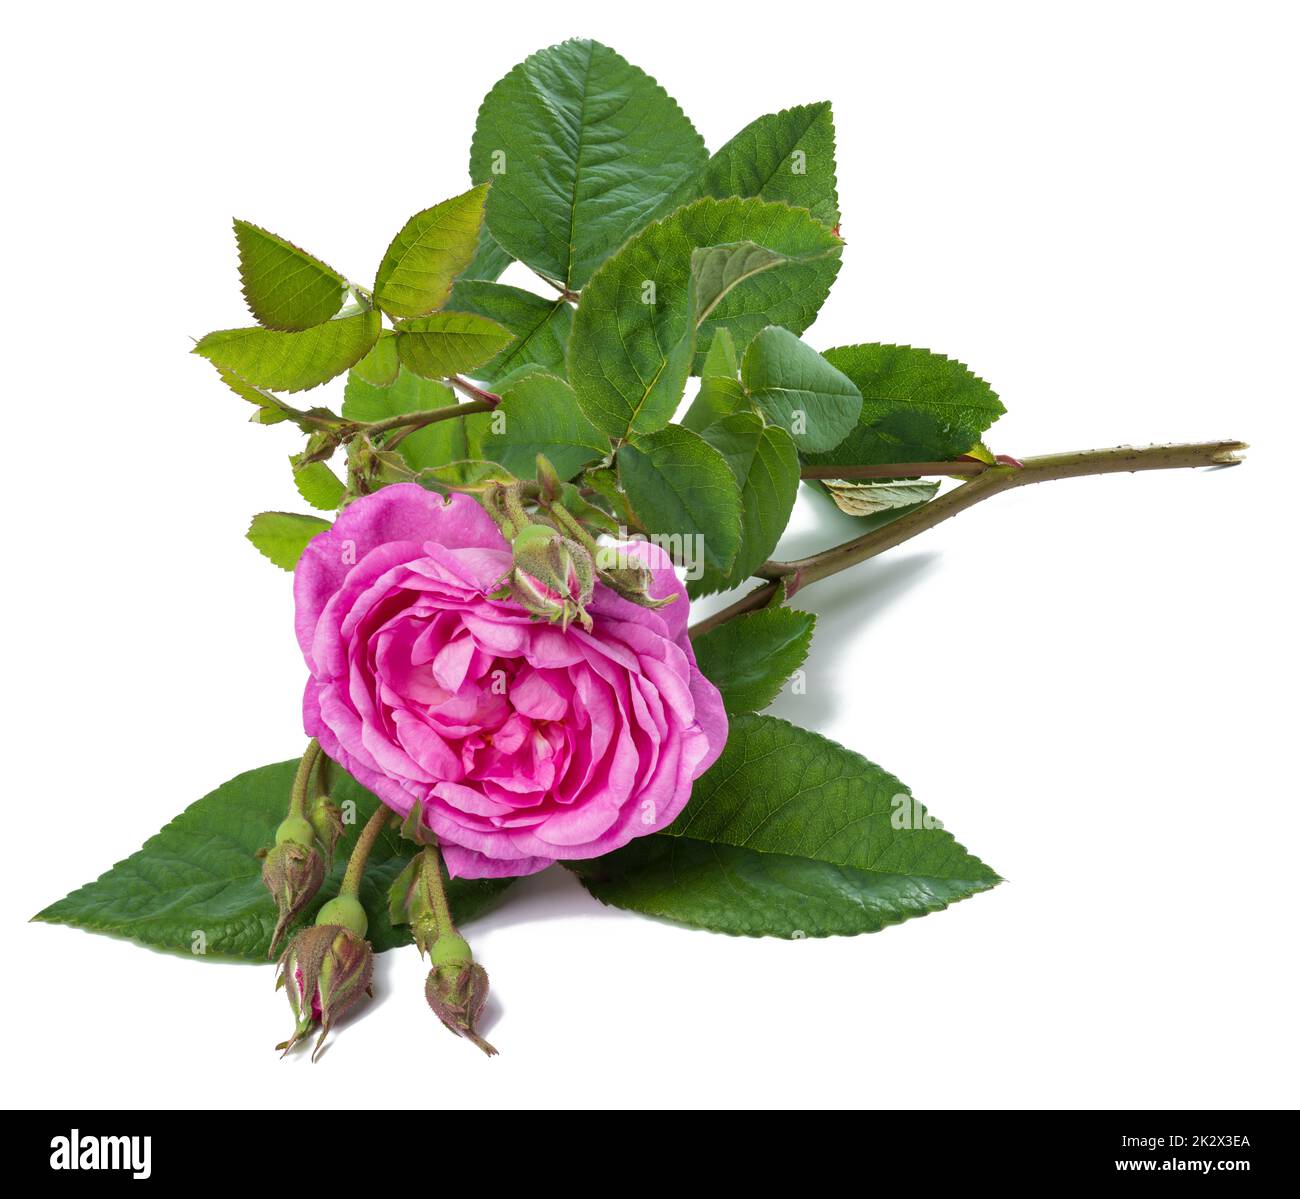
{"points": [[765, 464], [539, 414], [282, 536], [869, 497], [433, 446], [631, 348], [721, 360], [749, 657], [717, 399], [292, 361], [682, 489], [200, 875], [489, 259], [540, 326], [917, 406], [787, 156], [789, 834], [317, 484], [447, 343], [433, 247], [580, 148], [720, 394], [285, 287], [799, 390], [380, 366]]}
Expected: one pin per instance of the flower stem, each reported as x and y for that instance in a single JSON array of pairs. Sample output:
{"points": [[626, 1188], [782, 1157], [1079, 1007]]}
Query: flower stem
{"points": [[408, 422], [351, 884], [475, 393], [988, 481], [298, 795], [437, 893]]}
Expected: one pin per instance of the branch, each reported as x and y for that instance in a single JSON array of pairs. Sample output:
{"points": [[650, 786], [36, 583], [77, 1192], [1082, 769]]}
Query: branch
{"points": [[989, 481]]}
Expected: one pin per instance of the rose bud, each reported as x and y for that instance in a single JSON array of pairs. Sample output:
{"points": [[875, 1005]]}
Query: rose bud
{"points": [[457, 988], [326, 969], [553, 576], [627, 576], [293, 872], [327, 820]]}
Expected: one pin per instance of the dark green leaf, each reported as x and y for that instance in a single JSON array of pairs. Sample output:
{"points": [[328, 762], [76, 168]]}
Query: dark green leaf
{"points": [[765, 464], [789, 834], [580, 147], [682, 489], [749, 657], [447, 343], [282, 536], [787, 156], [200, 875], [286, 288], [799, 390], [631, 348], [431, 249], [540, 326], [292, 361], [738, 891], [489, 259], [539, 414], [916, 406]]}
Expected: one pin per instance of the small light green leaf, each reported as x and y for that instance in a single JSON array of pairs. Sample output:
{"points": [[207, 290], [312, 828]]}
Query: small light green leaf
{"points": [[285, 287], [540, 326], [870, 496], [580, 147], [765, 463], [631, 348], [282, 536], [681, 488], [292, 361], [917, 406], [720, 394], [539, 414], [200, 875], [717, 399], [447, 343], [317, 484], [789, 834], [799, 390], [435, 445], [721, 360], [787, 156], [433, 247], [380, 365], [749, 658]]}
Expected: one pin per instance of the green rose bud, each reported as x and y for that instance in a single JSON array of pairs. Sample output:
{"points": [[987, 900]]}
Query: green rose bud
{"points": [[327, 822], [553, 576], [457, 989], [325, 971], [293, 873], [628, 576]]}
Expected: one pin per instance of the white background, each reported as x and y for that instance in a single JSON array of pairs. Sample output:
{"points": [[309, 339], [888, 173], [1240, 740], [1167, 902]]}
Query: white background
{"points": [[1091, 682]]}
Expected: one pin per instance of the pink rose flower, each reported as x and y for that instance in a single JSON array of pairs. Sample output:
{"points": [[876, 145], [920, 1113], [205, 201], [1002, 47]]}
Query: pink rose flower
{"points": [[526, 744]]}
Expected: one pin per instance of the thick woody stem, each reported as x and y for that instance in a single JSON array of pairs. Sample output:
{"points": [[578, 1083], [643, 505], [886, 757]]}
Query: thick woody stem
{"points": [[988, 481]]}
